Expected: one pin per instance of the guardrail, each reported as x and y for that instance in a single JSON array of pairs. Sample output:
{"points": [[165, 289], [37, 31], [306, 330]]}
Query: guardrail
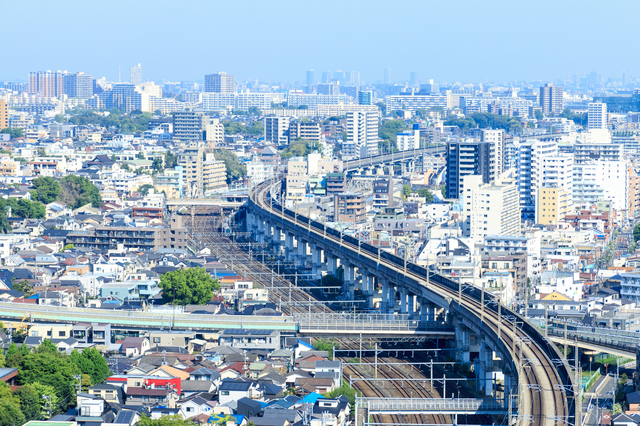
{"points": [[425, 405], [625, 344]]}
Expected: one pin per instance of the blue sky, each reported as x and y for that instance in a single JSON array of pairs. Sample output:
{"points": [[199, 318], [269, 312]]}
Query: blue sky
{"points": [[277, 41]]}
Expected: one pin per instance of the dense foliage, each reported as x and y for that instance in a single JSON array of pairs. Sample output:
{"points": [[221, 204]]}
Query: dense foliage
{"points": [[235, 169], [301, 148], [78, 191], [192, 286], [388, 130], [234, 128], [15, 133], [485, 120], [45, 371], [580, 119], [46, 189], [136, 121], [424, 192], [21, 207]]}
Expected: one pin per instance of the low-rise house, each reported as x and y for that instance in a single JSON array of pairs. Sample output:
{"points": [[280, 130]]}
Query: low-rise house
{"points": [[135, 346], [233, 390], [110, 393], [150, 396], [197, 405]]}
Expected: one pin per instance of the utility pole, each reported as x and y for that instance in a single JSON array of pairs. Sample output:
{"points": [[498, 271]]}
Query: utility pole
{"points": [[78, 385], [47, 404]]}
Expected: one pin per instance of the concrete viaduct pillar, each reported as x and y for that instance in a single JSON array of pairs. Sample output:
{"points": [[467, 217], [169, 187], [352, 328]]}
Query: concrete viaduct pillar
{"points": [[462, 343], [288, 247], [302, 250]]}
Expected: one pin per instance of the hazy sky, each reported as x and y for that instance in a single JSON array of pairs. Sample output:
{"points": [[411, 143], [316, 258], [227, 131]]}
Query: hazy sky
{"points": [[279, 40]]}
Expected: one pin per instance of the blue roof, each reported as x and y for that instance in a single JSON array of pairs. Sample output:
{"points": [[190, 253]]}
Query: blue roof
{"points": [[35, 296], [302, 342], [310, 398]]}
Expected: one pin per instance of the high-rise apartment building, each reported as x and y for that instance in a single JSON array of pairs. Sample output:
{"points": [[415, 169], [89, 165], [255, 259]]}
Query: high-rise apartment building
{"points": [[310, 78], [191, 161], [551, 99], [135, 74], [307, 130], [597, 115], [362, 135], [47, 84], [365, 97], [214, 174], [490, 208], [213, 132], [413, 79], [497, 138], [219, 83], [4, 115], [328, 89], [468, 158], [78, 85], [296, 179], [188, 126], [276, 130]]}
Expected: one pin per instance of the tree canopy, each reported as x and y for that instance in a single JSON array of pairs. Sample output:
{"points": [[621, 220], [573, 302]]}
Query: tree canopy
{"points": [[485, 120], [125, 123], [235, 169], [21, 207], [424, 192], [191, 286], [580, 119], [234, 127], [76, 191], [46, 190], [301, 148], [14, 133], [388, 130]]}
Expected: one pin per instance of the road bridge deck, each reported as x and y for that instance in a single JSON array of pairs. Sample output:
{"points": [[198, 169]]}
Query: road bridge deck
{"points": [[467, 406]]}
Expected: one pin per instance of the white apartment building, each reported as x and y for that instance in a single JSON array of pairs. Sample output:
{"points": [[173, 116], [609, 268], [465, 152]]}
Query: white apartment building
{"points": [[362, 135], [258, 172], [297, 179], [243, 101], [276, 130], [497, 138], [597, 116], [529, 243], [296, 99], [415, 102], [600, 180], [490, 209], [407, 141]]}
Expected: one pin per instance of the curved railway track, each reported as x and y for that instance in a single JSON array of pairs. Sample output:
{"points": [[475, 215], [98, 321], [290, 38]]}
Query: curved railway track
{"points": [[542, 399]]}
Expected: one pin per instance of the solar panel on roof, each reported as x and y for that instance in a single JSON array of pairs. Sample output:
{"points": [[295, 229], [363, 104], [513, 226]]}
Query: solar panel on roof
{"points": [[125, 417]]}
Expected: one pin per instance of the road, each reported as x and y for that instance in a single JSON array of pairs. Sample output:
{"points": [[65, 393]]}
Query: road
{"points": [[599, 400]]}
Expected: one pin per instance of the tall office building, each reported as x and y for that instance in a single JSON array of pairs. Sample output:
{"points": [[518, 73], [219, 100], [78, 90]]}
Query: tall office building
{"points": [[339, 76], [597, 115], [362, 135], [4, 114], [490, 209], [47, 84], [365, 97], [387, 76], [551, 99], [413, 79], [219, 83], [78, 85], [310, 78], [136, 74], [353, 78], [188, 126], [468, 158], [326, 76]]}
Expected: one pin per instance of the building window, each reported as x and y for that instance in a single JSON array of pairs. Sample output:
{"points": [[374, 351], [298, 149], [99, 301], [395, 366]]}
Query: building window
{"points": [[62, 333]]}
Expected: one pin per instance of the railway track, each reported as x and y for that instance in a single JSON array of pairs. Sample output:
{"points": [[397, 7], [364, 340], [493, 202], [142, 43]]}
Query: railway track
{"points": [[542, 398], [281, 290]]}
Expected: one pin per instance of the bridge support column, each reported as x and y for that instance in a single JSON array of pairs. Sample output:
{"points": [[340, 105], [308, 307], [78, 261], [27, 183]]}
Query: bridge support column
{"points": [[384, 302], [260, 231], [404, 295], [288, 247], [392, 298], [424, 309], [403, 168], [413, 306], [462, 343], [370, 289], [276, 238], [349, 277], [316, 263], [302, 250], [331, 264]]}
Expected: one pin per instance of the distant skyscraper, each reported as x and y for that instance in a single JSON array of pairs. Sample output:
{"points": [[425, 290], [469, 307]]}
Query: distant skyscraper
{"points": [[4, 114], [219, 83], [387, 76], [551, 99], [47, 84], [326, 76], [413, 79], [310, 78], [354, 78], [136, 74], [339, 76], [78, 85], [365, 97], [597, 118]]}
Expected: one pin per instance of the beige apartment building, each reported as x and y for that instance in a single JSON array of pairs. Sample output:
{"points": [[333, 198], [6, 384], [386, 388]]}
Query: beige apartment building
{"points": [[297, 179], [553, 205]]}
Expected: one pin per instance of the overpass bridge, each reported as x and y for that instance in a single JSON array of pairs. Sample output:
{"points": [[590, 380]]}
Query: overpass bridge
{"points": [[607, 340], [405, 159], [533, 367], [305, 324]]}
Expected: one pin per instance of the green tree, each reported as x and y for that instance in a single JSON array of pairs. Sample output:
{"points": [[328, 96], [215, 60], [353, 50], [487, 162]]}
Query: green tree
{"points": [[29, 402], [91, 363], [77, 191], [43, 407], [46, 189], [10, 412], [15, 133], [23, 286], [3, 361], [170, 160], [383, 108], [324, 345], [140, 155], [406, 191], [60, 118], [235, 169], [388, 130], [67, 247], [23, 208], [636, 233], [254, 111], [424, 192], [191, 286], [344, 390], [174, 420], [157, 165], [144, 189], [538, 114]]}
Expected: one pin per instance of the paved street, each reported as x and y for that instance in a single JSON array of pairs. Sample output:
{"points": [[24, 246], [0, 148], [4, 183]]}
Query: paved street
{"points": [[598, 400]]}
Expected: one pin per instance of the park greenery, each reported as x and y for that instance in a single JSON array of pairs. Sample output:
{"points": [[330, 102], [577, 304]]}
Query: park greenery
{"points": [[235, 128], [136, 121], [77, 191], [21, 207], [45, 371], [235, 169], [580, 119], [486, 120], [46, 189], [301, 148], [191, 286], [14, 133], [387, 132]]}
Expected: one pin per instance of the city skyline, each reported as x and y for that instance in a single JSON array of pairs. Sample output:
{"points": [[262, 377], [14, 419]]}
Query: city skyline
{"points": [[478, 51]]}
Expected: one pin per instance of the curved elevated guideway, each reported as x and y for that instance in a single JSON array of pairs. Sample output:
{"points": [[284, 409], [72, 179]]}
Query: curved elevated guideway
{"points": [[545, 382]]}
